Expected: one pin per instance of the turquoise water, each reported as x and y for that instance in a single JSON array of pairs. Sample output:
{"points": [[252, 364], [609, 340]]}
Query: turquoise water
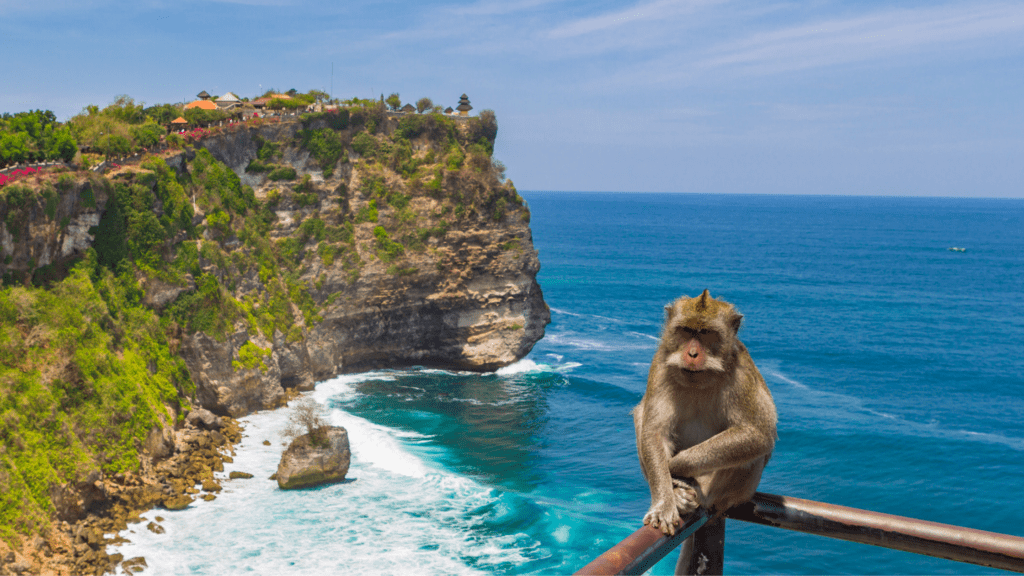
{"points": [[896, 366]]}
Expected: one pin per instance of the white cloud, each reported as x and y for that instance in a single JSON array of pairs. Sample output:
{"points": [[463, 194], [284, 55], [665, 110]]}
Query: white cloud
{"points": [[867, 37], [657, 11]]}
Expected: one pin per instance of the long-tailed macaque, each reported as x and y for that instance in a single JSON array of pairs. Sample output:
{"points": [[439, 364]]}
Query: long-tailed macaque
{"points": [[705, 428]]}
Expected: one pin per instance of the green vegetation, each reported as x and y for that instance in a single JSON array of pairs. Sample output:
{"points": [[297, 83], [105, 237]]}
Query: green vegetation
{"points": [[325, 145], [282, 173], [33, 137], [424, 104], [251, 357], [365, 145], [87, 370], [368, 213], [120, 128], [393, 101], [387, 249]]}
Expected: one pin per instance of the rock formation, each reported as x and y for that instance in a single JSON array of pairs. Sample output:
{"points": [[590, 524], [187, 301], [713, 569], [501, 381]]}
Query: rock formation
{"points": [[309, 463], [405, 248], [215, 280]]}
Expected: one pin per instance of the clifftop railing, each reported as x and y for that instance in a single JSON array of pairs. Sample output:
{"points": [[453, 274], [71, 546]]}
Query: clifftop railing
{"points": [[645, 547]]}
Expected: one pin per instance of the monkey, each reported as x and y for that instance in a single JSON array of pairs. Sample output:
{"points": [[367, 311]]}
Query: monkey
{"points": [[706, 425]]}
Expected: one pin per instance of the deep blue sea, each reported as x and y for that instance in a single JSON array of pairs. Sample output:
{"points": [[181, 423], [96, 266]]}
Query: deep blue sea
{"points": [[897, 367]]}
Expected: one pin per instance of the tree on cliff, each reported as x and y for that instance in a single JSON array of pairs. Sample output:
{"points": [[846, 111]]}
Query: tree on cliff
{"points": [[394, 102], [424, 104]]}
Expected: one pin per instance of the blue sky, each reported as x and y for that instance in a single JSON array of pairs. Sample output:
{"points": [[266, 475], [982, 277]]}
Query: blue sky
{"points": [[707, 96]]}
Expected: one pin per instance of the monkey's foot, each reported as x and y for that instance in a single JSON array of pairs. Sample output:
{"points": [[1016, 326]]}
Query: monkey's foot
{"points": [[664, 515], [687, 498]]}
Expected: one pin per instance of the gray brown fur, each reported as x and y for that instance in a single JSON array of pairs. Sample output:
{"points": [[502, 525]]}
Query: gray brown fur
{"points": [[705, 428]]}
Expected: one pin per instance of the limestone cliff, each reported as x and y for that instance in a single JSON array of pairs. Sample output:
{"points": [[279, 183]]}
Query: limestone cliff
{"points": [[286, 253]]}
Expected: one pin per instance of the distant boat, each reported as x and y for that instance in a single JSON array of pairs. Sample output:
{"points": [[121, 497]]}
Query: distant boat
{"points": [[957, 249]]}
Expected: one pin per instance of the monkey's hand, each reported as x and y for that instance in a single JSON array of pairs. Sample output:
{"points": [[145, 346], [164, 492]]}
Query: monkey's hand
{"points": [[687, 494], [664, 514]]}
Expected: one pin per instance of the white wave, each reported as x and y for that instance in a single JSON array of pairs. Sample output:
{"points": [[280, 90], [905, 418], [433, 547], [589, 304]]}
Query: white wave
{"points": [[848, 411], [579, 315], [642, 335], [568, 366], [580, 343], [522, 367], [395, 514], [780, 376]]}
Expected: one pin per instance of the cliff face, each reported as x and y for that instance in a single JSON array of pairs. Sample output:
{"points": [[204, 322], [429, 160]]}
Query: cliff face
{"points": [[394, 243]]}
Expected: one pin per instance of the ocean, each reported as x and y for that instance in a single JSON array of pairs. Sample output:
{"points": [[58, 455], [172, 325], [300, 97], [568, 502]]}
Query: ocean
{"points": [[896, 365]]}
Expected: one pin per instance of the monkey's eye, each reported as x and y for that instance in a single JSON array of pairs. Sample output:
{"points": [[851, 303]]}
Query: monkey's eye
{"points": [[711, 338]]}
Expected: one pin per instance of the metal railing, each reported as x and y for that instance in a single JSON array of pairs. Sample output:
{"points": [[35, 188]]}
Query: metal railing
{"points": [[645, 547]]}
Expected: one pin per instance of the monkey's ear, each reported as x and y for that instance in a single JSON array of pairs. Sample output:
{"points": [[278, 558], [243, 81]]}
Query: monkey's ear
{"points": [[735, 322], [668, 309]]}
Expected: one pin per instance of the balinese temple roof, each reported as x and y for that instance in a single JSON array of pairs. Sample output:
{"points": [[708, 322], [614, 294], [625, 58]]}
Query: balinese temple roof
{"points": [[228, 97], [448, 110], [408, 108], [179, 120], [202, 95], [464, 104]]}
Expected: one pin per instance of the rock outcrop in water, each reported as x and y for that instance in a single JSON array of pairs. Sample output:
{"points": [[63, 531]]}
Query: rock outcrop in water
{"points": [[307, 463]]}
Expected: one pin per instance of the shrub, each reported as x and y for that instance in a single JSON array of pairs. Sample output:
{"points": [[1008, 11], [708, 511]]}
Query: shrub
{"points": [[255, 165], [368, 213], [266, 151], [336, 119], [306, 199], [250, 357], [387, 249], [325, 145], [364, 145], [396, 270], [147, 135], [311, 228], [283, 173], [307, 416], [455, 159], [220, 221]]}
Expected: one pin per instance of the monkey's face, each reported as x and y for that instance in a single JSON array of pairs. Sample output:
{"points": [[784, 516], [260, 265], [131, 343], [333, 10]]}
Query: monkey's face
{"points": [[696, 348], [700, 334]]}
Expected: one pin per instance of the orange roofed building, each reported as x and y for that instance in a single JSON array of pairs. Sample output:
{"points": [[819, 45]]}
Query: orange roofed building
{"points": [[202, 104]]}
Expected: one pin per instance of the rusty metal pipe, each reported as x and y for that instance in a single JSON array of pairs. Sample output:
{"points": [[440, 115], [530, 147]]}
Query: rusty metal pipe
{"points": [[897, 532], [642, 549]]}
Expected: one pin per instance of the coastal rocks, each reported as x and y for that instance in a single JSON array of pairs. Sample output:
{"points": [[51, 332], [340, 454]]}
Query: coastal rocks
{"points": [[178, 502], [204, 419], [306, 464]]}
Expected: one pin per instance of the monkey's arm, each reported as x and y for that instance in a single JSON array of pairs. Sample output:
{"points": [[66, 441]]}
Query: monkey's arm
{"points": [[749, 434], [652, 423], [734, 446]]}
